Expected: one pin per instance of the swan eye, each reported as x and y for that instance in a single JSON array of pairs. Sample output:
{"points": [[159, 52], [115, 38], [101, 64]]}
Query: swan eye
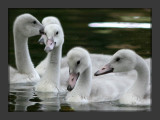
{"points": [[117, 59], [44, 33], [57, 33], [34, 22], [78, 62]]}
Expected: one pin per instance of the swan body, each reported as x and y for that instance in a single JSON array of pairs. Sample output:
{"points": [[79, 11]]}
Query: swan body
{"points": [[25, 26], [126, 60], [97, 60], [51, 78], [85, 87]]}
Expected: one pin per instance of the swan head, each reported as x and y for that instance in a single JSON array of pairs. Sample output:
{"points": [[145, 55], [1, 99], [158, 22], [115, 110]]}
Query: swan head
{"points": [[28, 25], [78, 60], [50, 20], [123, 60], [46, 21], [54, 36]]}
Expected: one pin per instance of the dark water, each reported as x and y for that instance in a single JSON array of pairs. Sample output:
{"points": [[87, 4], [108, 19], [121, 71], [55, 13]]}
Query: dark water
{"points": [[78, 33]]}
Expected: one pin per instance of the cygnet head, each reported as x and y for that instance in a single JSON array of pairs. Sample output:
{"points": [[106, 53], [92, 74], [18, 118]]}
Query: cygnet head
{"points": [[123, 60], [46, 21], [78, 60], [50, 20], [28, 25], [54, 36]]}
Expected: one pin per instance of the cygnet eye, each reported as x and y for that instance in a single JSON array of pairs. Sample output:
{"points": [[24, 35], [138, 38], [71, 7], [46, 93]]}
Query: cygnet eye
{"points": [[117, 59], [57, 33], [34, 22], [78, 62]]}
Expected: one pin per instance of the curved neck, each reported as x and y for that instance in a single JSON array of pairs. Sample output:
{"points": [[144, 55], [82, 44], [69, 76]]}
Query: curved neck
{"points": [[52, 73], [22, 56], [140, 86], [83, 85]]}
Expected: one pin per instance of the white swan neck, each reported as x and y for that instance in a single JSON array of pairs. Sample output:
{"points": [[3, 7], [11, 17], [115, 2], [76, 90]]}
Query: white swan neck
{"points": [[83, 85], [52, 73], [22, 56], [140, 86], [55, 55]]}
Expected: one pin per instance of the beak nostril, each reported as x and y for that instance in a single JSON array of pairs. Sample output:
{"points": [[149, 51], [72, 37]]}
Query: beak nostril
{"points": [[103, 68]]}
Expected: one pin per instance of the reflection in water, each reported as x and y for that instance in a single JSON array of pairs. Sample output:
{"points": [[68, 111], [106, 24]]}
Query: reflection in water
{"points": [[23, 95], [50, 101], [34, 108], [11, 102], [106, 106], [119, 25], [27, 99]]}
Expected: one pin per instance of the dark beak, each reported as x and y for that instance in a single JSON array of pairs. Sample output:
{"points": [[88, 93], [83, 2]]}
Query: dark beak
{"points": [[41, 31], [69, 88], [41, 40]]}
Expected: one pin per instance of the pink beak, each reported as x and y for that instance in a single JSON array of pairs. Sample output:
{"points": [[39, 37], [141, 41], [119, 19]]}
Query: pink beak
{"points": [[106, 69], [72, 81], [49, 45]]}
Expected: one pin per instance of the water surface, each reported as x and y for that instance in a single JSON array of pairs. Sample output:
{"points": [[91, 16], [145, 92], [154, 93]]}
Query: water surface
{"points": [[24, 98]]}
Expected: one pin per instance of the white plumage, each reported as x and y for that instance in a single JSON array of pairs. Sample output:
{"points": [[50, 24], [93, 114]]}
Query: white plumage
{"points": [[50, 80], [126, 60], [25, 26], [89, 88]]}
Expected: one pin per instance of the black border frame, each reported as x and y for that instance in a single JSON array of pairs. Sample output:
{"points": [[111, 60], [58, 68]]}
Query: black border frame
{"points": [[79, 4]]}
